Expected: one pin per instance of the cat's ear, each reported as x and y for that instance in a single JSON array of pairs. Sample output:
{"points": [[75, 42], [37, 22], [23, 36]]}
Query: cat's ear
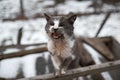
{"points": [[48, 17], [71, 18]]}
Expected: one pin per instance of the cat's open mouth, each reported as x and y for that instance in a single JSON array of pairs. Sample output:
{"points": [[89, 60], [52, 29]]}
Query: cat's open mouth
{"points": [[57, 35]]}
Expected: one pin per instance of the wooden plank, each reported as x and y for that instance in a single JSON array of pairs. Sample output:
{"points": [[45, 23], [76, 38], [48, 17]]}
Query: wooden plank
{"points": [[105, 39], [115, 48], [79, 71], [99, 46], [86, 59], [21, 46], [95, 42], [22, 53]]}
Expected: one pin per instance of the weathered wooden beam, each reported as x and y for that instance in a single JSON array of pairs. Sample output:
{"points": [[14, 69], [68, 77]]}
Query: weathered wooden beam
{"points": [[108, 66], [115, 48], [21, 46], [99, 46], [106, 39], [23, 53], [96, 43], [86, 59], [2, 79]]}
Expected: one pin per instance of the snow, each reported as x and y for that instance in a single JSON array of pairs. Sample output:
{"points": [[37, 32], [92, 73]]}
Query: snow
{"points": [[84, 25], [30, 29], [28, 65], [33, 31], [9, 8], [9, 67], [33, 6], [78, 7], [11, 50], [112, 27]]}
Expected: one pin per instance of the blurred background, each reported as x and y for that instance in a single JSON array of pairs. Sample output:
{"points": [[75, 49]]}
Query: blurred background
{"points": [[22, 28]]}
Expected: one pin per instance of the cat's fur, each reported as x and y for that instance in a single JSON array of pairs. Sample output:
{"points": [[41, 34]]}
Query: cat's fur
{"points": [[62, 44]]}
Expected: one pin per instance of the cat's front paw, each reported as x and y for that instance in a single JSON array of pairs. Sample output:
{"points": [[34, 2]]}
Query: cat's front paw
{"points": [[57, 73], [63, 71]]}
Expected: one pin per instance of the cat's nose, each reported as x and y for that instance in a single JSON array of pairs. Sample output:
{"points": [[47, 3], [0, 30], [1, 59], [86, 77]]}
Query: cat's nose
{"points": [[55, 29]]}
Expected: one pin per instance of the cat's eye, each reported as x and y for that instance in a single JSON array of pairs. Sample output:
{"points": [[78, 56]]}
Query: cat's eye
{"points": [[51, 23], [61, 24]]}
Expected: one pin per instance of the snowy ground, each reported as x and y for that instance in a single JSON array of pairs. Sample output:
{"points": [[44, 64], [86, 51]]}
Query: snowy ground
{"points": [[33, 32], [11, 9]]}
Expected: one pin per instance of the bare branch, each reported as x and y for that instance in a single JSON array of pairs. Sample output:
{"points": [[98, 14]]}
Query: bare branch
{"points": [[102, 24]]}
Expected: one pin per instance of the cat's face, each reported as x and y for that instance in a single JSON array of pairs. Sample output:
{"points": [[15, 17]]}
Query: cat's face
{"points": [[59, 28]]}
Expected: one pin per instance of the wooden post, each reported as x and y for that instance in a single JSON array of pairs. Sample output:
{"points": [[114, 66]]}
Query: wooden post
{"points": [[19, 38]]}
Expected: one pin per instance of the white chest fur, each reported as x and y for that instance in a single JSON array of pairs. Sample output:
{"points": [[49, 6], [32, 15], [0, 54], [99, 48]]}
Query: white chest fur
{"points": [[61, 48]]}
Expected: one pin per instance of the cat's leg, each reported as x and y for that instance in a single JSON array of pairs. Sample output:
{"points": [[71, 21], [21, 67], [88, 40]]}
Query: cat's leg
{"points": [[65, 65], [56, 63]]}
